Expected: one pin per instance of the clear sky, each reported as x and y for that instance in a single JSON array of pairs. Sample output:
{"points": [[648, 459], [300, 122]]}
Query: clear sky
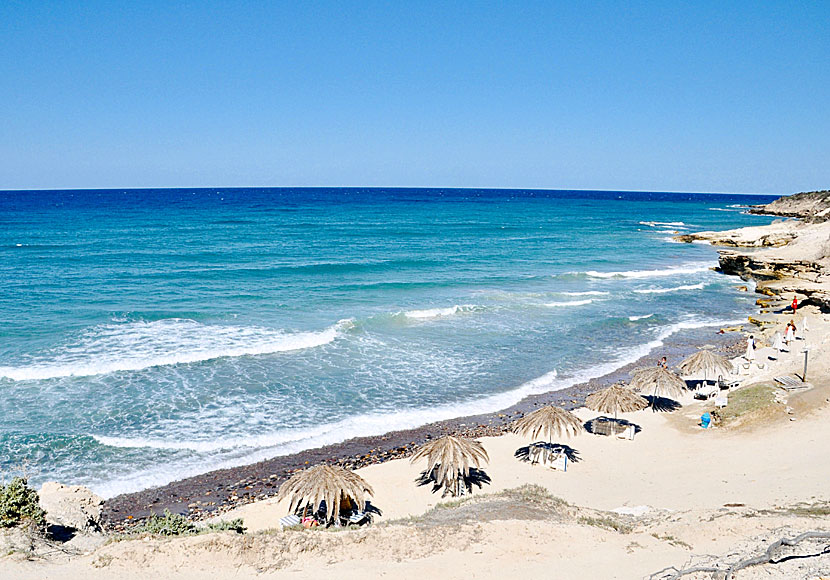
{"points": [[693, 96]]}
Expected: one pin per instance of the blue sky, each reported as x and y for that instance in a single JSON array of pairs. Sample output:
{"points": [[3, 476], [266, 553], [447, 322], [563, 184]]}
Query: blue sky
{"points": [[698, 96]]}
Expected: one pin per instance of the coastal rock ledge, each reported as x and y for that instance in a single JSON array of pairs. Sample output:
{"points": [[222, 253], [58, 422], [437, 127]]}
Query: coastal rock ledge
{"points": [[785, 257], [71, 506]]}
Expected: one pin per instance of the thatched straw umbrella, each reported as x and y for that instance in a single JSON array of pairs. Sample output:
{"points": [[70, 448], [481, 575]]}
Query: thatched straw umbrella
{"points": [[662, 381], [706, 362], [450, 459], [549, 421], [615, 399], [328, 483]]}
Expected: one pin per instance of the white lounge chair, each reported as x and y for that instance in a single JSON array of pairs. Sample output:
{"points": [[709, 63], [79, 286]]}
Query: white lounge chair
{"points": [[560, 462], [627, 433], [706, 391], [290, 521]]}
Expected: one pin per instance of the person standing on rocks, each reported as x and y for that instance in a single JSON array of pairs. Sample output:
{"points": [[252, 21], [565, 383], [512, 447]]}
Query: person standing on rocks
{"points": [[750, 348]]}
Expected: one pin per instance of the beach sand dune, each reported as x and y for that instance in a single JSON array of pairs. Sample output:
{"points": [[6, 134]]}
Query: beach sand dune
{"points": [[624, 510]]}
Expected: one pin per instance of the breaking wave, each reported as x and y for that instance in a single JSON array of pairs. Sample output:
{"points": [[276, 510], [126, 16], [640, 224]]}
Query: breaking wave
{"points": [[134, 346], [700, 286], [694, 268], [440, 312]]}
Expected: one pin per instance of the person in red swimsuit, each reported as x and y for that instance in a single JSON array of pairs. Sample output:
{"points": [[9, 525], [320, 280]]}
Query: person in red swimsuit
{"points": [[795, 304]]}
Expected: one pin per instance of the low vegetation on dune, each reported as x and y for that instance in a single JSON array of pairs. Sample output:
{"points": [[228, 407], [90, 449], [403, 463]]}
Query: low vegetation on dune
{"points": [[170, 524], [747, 406], [19, 505]]}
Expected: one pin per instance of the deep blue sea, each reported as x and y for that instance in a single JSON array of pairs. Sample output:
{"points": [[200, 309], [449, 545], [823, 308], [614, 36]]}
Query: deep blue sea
{"points": [[148, 335]]}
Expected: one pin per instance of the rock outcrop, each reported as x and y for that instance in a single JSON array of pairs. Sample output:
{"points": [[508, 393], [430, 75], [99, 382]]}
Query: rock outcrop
{"points": [[71, 506], [786, 257], [811, 206]]}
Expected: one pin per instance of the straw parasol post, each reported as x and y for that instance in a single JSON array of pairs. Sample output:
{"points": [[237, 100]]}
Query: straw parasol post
{"points": [[662, 381], [547, 421], [615, 399], [550, 421], [328, 483], [451, 458], [707, 362]]}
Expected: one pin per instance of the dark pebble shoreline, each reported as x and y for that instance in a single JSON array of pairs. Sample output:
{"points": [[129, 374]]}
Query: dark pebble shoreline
{"points": [[218, 491]]}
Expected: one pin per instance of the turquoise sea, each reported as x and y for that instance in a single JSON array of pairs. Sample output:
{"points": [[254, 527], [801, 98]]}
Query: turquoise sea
{"points": [[149, 335]]}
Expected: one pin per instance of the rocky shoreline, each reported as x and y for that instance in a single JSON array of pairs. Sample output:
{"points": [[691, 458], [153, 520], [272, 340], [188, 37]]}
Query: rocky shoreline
{"points": [[788, 258], [218, 491]]}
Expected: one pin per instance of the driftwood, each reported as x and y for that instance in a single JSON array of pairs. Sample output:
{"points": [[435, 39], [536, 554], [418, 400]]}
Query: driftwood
{"points": [[727, 573]]}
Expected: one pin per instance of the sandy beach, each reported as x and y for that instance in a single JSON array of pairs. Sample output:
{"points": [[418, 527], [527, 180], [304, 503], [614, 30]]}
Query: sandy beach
{"points": [[675, 496], [674, 491]]}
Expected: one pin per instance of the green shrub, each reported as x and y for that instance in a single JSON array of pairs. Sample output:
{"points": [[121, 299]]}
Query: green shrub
{"points": [[227, 526], [168, 524], [171, 524], [19, 505]]}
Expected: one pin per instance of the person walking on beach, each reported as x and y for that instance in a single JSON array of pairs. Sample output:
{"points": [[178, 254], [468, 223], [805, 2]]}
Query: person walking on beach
{"points": [[794, 304], [750, 348], [789, 334]]}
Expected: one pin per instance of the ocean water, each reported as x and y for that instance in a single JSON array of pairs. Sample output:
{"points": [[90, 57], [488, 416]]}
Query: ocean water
{"points": [[149, 335]]}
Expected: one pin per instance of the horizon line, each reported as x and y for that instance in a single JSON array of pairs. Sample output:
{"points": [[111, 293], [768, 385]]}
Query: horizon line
{"points": [[134, 188]]}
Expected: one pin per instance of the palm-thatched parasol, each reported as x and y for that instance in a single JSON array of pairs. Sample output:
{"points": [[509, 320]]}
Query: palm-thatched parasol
{"points": [[450, 459], [662, 381], [328, 483], [615, 399], [706, 362], [549, 421]]}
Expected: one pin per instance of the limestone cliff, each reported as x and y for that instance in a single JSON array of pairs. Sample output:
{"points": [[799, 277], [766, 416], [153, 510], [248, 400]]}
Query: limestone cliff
{"points": [[810, 206], [786, 257]]}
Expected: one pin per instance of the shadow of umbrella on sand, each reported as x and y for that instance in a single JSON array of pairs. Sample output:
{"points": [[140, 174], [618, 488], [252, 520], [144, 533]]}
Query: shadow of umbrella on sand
{"points": [[662, 382], [329, 485], [615, 399], [549, 422], [706, 362], [452, 463]]}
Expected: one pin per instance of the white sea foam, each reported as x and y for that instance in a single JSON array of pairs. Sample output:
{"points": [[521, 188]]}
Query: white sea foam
{"points": [[723, 209], [693, 268], [585, 293], [642, 317], [440, 312], [139, 345], [571, 303], [667, 290], [663, 224], [245, 450]]}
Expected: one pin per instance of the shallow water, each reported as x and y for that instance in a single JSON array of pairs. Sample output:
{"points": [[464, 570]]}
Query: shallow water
{"points": [[149, 335]]}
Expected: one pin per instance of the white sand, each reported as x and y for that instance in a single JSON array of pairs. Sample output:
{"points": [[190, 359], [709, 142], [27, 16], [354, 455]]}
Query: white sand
{"points": [[686, 474]]}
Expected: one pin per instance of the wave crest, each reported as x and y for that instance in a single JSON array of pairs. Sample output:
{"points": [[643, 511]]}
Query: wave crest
{"points": [[694, 268], [700, 286], [571, 303], [440, 312], [139, 345]]}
